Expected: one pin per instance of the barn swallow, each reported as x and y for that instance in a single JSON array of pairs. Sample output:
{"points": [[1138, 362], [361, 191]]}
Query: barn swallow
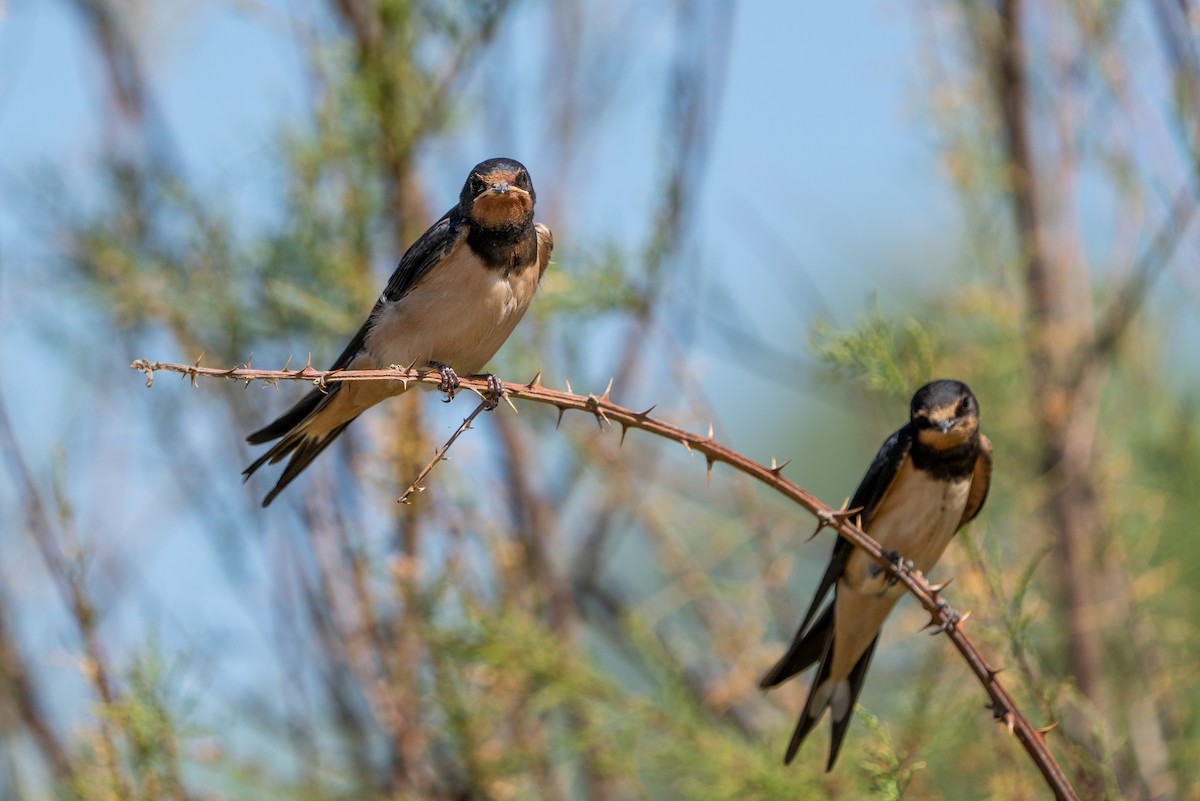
{"points": [[455, 297], [928, 480]]}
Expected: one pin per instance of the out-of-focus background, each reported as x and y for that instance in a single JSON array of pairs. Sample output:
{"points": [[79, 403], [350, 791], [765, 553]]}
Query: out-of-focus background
{"points": [[778, 217]]}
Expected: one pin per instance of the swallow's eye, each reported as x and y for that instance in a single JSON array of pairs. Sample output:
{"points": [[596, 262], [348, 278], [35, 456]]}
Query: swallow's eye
{"points": [[477, 185], [964, 407], [522, 179]]}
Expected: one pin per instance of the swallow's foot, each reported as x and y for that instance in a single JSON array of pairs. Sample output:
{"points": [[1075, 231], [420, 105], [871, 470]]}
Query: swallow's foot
{"points": [[950, 618], [493, 393], [901, 564], [450, 382]]}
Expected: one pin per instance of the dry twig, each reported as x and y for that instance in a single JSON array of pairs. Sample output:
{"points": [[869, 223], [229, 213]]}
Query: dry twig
{"points": [[440, 454]]}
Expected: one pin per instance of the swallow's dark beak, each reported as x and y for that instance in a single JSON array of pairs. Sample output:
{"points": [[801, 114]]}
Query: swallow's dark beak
{"points": [[944, 425], [500, 187]]}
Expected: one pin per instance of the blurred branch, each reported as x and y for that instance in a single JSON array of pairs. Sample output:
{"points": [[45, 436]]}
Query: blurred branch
{"points": [[125, 74], [1058, 333], [15, 678], [68, 573], [132, 106], [535, 526], [1172, 18], [17, 686], [1130, 297], [606, 412]]}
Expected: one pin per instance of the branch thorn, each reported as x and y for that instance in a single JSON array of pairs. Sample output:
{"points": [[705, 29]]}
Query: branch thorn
{"points": [[601, 417], [934, 589], [820, 525], [643, 415]]}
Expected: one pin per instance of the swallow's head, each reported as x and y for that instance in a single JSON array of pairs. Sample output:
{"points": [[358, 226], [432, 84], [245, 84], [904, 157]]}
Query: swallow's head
{"points": [[945, 414], [499, 195]]}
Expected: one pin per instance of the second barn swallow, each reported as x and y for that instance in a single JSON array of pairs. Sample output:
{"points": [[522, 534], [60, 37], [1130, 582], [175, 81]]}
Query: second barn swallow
{"points": [[455, 297], [928, 479]]}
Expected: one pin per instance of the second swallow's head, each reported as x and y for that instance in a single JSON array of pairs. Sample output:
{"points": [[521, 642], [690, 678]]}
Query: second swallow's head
{"points": [[945, 414], [498, 194]]}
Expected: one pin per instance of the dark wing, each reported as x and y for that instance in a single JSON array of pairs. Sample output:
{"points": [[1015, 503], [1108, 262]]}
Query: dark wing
{"points": [[283, 424], [810, 717], [824, 644], [881, 474], [870, 492], [838, 728], [545, 246], [303, 450], [809, 643], [415, 264], [426, 252], [981, 481]]}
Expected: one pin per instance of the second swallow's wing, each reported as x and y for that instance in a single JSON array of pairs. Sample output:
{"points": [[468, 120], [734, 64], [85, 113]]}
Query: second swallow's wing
{"points": [[545, 246], [415, 264], [981, 481], [867, 498], [810, 642]]}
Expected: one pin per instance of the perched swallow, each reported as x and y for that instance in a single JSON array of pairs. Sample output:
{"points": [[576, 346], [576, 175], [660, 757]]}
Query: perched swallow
{"points": [[926, 482], [458, 293]]}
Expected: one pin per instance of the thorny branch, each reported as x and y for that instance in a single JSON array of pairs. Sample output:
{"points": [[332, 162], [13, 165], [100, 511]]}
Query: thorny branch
{"points": [[942, 616]]}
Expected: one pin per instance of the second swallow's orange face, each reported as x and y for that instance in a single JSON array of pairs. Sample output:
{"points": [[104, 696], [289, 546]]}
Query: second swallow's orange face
{"points": [[501, 197], [949, 424], [948, 431]]}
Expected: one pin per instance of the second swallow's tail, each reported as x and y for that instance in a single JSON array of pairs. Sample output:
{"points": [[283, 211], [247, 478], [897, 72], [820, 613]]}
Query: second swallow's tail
{"points": [[839, 696], [298, 437], [808, 646]]}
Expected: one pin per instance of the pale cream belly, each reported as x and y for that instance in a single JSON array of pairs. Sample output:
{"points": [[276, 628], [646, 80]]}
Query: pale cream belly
{"points": [[460, 315], [917, 518]]}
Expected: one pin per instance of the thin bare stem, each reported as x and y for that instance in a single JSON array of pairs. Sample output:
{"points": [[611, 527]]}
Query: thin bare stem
{"points": [[440, 454], [942, 616]]}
